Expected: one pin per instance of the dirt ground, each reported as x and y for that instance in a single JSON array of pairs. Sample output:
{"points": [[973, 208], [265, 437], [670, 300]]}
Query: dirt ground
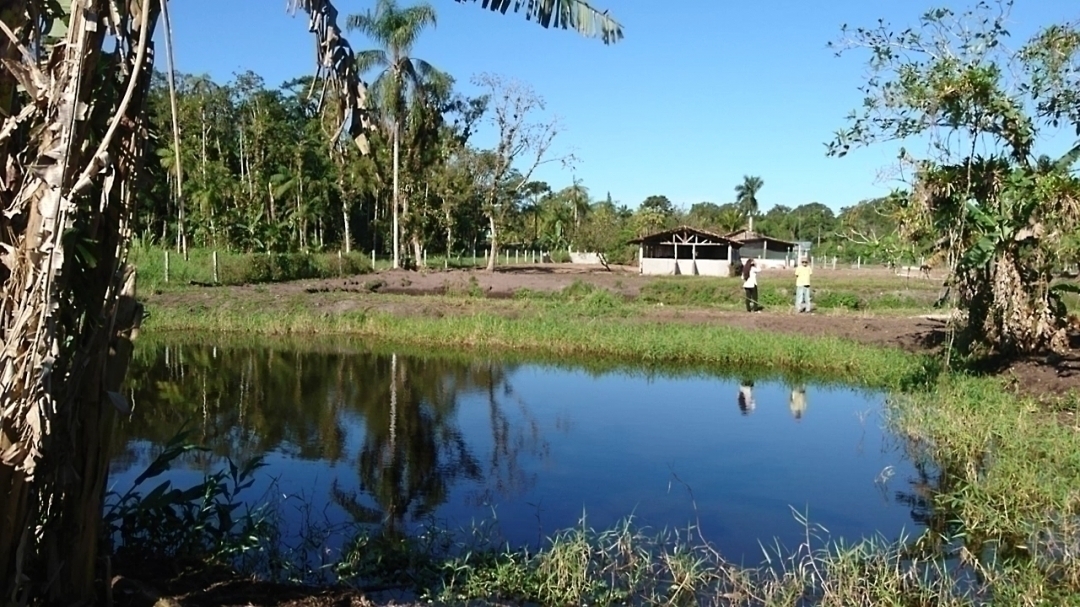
{"points": [[385, 291]]}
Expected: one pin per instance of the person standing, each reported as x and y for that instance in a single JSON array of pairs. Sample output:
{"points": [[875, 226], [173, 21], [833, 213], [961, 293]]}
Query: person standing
{"points": [[750, 285], [802, 286]]}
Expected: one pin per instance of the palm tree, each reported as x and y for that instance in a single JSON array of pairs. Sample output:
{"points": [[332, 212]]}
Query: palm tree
{"points": [[746, 194], [396, 30]]}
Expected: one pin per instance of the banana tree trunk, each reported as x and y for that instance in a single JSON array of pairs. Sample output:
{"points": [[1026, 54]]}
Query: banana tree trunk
{"points": [[67, 301]]}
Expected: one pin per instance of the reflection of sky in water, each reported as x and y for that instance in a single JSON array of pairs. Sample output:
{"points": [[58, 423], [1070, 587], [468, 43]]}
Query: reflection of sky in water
{"points": [[619, 444]]}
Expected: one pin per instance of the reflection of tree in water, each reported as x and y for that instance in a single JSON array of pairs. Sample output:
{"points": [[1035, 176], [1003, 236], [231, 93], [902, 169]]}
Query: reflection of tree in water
{"points": [[240, 402], [412, 450], [505, 472], [243, 402]]}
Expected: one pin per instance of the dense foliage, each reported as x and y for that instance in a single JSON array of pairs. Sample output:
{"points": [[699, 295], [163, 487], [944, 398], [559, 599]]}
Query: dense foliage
{"points": [[997, 211]]}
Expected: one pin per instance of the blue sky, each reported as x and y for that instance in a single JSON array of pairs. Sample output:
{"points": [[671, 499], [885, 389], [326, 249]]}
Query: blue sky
{"points": [[690, 101]]}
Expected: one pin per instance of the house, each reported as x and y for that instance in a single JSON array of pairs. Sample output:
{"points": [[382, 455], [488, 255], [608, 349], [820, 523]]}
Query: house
{"points": [[770, 252], [686, 250]]}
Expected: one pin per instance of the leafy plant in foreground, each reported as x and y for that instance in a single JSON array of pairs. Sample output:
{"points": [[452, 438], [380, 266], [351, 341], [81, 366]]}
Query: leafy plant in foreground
{"points": [[201, 521]]}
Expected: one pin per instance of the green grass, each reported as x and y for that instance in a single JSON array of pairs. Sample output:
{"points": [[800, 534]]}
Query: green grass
{"points": [[239, 268], [869, 293], [556, 331]]}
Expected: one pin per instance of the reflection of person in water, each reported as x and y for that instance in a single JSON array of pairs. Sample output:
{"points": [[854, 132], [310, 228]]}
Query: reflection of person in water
{"points": [[746, 397], [797, 402]]}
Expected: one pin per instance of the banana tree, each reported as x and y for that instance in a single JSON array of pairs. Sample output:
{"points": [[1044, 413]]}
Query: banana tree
{"points": [[1005, 240]]}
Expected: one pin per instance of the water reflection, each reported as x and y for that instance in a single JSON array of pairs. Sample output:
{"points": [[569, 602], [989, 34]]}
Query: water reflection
{"points": [[746, 397], [797, 402], [393, 439]]}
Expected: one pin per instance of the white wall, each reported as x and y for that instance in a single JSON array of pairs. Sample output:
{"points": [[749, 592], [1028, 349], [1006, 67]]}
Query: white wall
{"points": [[666, 267], [773, 264], [589, 258]]}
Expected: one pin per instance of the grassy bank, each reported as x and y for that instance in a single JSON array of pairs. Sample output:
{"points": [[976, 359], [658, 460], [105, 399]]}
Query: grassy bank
{"points": [[581, 336]]}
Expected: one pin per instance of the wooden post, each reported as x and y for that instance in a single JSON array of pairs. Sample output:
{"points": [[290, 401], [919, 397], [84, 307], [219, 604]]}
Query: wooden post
{"points": [[858, 263], [215, 267], [339, 270], [474, 256], [166, 265]]}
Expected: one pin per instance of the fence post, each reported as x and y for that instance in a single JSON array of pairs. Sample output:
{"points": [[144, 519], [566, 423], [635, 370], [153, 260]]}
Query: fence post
{"points": [[474, 256], [215, 267], [339, 270], [373, 260], [166, 265], [858, 263]]}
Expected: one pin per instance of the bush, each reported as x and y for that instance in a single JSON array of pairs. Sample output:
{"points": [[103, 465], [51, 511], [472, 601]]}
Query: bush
{"points": [[242, 268]]}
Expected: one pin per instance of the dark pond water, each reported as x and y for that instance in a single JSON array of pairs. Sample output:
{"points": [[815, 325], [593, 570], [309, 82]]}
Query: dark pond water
{"points": [[534, 446]]}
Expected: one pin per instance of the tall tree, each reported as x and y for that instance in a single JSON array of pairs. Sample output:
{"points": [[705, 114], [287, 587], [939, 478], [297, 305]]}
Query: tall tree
{"points": [[995, 214], [658, 204], [395, 30], [746, 194], [520, 139]]}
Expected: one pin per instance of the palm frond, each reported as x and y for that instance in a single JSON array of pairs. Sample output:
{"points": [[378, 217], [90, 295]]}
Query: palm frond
{"points": [[578, 15], [1066, 162], [364, 23], [424, 70], [371, 59], [408, 25]]}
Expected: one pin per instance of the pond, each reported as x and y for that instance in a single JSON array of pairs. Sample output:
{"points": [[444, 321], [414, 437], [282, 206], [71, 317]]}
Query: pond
{"points": [[408, 439]]}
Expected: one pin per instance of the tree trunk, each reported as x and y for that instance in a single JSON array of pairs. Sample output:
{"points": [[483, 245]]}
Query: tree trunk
{"points": [[348, 235], [68, 301], [494, 245], [397, 151]]}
